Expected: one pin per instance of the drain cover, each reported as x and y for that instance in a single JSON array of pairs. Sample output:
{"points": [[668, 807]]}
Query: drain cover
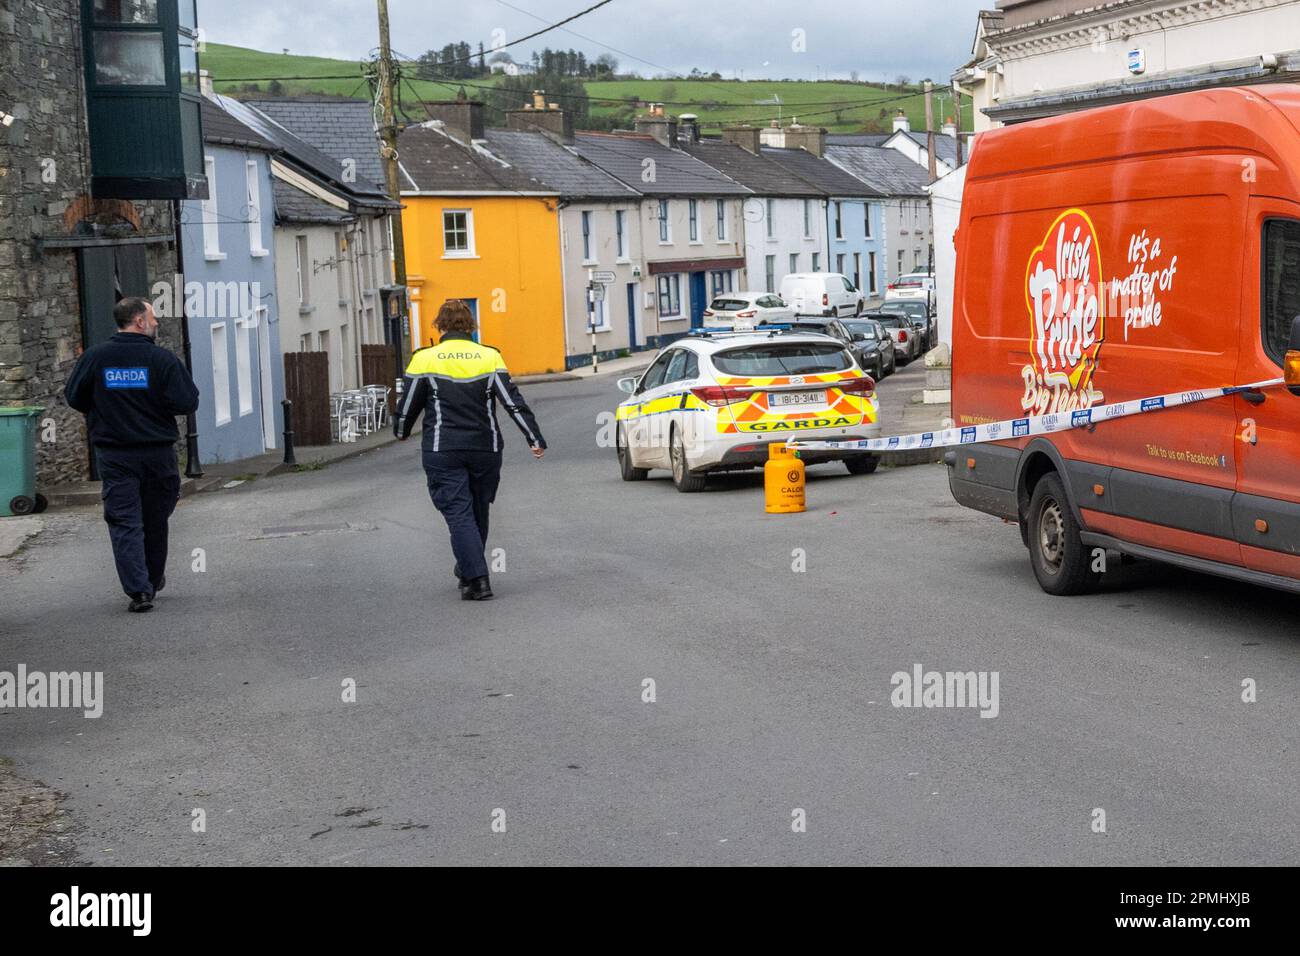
{"points": [[289, 531]]}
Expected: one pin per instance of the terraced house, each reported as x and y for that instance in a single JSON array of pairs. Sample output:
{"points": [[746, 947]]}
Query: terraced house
{"points": [[600, 231], [482, 230], [691, 219], [784, 219], [854, 210]]}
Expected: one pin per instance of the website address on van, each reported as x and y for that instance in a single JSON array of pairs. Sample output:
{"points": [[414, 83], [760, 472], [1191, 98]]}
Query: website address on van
{"points": [[1203, 923]]}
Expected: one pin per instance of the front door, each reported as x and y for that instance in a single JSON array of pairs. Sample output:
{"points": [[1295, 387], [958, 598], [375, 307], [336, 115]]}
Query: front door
{"points": [[1266, 510], [698, 299], [632, 340]]}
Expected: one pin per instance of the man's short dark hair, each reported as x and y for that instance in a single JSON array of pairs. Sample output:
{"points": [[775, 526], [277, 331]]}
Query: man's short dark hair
{"points": [[124, 312]]}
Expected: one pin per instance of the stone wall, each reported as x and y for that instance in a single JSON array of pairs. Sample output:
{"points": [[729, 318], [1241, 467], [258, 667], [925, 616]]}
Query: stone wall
{"points": [[44, 180]]}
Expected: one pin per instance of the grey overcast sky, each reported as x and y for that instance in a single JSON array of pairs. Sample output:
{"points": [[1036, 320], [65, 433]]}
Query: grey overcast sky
{"points": [[753, 38]]}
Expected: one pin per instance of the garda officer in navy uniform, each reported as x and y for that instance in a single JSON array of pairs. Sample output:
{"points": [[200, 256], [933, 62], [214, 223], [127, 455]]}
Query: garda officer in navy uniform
{"points": [[131, 391], [457, 384]]}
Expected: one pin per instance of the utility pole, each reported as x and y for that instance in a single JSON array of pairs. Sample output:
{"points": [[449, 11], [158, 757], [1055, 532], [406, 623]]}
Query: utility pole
{"points": [[929, 130], [387, 80]]}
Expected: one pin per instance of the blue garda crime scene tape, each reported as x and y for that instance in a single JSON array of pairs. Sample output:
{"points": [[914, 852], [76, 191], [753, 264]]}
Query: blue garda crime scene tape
{"points": [[1035, 424]]}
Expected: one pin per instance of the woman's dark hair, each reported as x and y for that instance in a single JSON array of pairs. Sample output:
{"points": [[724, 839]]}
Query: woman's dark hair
{"points": [[455, 316]]}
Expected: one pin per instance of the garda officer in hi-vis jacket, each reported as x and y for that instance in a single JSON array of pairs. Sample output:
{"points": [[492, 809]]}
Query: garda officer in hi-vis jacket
{"points": [[457, 384]]}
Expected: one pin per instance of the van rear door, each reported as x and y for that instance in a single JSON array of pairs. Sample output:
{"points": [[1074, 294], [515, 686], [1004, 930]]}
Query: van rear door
{"points": [[1266, 510]]}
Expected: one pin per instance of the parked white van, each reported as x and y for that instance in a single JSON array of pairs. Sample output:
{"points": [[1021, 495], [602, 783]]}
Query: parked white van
{"points": [[821, 293]]}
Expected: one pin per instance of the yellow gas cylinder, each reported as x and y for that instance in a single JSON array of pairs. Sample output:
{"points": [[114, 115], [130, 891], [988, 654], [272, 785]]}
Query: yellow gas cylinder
{"points": [[783, 478]]}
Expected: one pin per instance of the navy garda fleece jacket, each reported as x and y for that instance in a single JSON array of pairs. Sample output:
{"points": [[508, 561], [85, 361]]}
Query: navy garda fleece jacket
{"points": [[131, 391]]}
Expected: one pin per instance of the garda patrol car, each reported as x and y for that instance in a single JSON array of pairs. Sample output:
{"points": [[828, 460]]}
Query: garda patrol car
{"points": [[715, 400]]}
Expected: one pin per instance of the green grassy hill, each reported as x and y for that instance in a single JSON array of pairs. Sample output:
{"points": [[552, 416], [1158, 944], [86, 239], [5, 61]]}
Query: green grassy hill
{"points": [[839, 106]]}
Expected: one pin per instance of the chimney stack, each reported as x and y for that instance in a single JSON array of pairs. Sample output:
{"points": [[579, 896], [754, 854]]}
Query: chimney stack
{"points": [[949, 128], [744, 136], [205, 84], [810, 138], [542, 117], [655, 124], [462, 118], [688, 128], [901, 122]]}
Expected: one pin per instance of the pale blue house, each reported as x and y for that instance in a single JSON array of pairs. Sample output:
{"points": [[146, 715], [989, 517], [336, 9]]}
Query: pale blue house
{"points": [[230, 293], [855, 223]]}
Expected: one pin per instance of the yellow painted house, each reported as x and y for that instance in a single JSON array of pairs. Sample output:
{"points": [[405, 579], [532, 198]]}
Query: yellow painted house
{"points": [[478, 229]]}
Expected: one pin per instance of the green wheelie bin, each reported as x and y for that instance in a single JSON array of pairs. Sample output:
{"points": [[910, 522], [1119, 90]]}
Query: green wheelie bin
{"points": [[18, 461]]}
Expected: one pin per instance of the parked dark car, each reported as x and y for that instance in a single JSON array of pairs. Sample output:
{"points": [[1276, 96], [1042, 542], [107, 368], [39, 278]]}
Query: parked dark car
{"points": [[866, 349], [921, 318]]}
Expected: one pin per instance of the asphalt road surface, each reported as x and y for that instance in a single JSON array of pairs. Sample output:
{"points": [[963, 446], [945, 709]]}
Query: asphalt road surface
{"points": [[772, 686]]}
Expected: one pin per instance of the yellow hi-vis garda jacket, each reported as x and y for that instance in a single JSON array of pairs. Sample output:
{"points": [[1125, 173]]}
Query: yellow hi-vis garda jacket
{"points": [[457, 383]]}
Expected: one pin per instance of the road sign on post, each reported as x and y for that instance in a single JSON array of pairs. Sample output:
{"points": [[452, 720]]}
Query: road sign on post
{"points": [[603, 276]]}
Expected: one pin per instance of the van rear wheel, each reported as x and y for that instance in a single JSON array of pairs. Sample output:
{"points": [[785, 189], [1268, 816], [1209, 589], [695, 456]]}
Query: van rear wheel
{"points": [[1061, 561]]}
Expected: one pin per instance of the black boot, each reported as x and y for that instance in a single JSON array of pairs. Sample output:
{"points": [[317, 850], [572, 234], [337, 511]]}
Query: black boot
{"points": [[462, 582], [478, 589], [144, 602]]}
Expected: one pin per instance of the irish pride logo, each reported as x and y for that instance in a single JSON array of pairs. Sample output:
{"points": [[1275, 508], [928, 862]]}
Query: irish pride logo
{"points": [[1067, 322]]}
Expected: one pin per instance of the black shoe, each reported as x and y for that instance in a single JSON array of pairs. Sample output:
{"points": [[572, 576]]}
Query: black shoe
{"points": [[141, 603], [162, 583], [479, 589]]}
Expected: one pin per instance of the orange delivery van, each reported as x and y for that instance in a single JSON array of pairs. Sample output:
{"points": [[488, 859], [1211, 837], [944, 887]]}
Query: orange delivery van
{"points": [[1122, 253]]}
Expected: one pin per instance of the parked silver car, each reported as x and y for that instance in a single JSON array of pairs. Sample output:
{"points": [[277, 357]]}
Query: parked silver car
{"points": [[907, 342]]}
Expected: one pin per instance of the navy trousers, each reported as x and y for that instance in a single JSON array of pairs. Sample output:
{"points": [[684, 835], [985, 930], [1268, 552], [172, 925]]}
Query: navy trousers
{"points": [[462, 485], [140, 488]]}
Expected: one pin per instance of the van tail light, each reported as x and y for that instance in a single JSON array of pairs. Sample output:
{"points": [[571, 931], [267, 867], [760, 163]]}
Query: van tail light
{"points": [[864, 386], [747, 314], [826, 299], [708, 313], [1291, 367], [719, 395], [891, 286]]}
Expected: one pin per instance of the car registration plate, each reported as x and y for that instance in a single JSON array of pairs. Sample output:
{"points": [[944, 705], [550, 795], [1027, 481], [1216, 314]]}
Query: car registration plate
{"points": [[785, 399]]}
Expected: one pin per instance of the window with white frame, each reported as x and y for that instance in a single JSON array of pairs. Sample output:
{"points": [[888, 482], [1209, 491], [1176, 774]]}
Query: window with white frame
{"points": [[253, 179], [794, 262], [866, 219], [770, 215], [693, 217], [220, 374], [211, 223], [807, 219], [857, 270], [816, 262], [871, 273], [303, 261], [665, 233], [839, 263], [839, 219], [457, 233], [769, 270], [620, 232], [900, 262], [586, 236], [669, 288], [720, 281], [243, 368], [722, 220]]}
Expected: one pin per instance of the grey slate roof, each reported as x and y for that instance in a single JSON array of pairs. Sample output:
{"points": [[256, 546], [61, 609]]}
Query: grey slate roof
{"points": [[824, 174], [546, 160], [945, 147], [759, 173], [675, 173], [886, 170], [222, 129], [307, 158], [294, 205], [857, 139], [431, 161], [342, 129]]}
